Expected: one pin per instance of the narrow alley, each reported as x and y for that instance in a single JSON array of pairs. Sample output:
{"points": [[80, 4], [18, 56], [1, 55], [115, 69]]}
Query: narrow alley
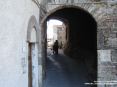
{"points": [[85, 34], [79, 64], [63, 71]]}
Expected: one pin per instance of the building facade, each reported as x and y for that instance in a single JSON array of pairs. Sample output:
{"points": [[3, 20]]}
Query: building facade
{"points": [[60, 34]]}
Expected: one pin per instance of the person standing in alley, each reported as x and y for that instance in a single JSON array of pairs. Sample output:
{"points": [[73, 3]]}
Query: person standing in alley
{"points": [[55, 47]]}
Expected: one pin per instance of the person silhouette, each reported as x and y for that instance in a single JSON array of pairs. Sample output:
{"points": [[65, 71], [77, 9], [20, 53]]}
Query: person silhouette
{"points": [[55, 47]]}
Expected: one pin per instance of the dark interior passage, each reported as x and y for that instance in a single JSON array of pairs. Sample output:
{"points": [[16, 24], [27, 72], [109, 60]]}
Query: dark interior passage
{"points": [[81, 42], [82, 28], [62, 71]]}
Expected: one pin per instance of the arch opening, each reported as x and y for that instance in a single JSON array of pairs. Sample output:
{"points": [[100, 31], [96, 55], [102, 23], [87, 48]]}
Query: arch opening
{"points": [[56, 30], [32, 42], [81, 43]]}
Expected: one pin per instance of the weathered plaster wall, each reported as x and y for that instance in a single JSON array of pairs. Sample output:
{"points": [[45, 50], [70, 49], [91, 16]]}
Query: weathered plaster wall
{"points": [[15, 15]]}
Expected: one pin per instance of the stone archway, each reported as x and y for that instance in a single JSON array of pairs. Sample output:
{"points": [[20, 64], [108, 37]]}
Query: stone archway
{"points": [[90, 47], [33, 44], [59, 8]]}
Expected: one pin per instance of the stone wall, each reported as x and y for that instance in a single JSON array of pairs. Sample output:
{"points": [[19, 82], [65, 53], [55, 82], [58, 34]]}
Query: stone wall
{"points": [[15, 16], [105, 14], [107, 51]]}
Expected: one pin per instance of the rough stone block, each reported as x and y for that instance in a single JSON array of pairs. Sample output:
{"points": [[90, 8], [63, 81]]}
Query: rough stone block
{"points": [[111, 42], [113, 35], [100, 39], [114, 56], [115, 25], [114, 29], [104, 55]]}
